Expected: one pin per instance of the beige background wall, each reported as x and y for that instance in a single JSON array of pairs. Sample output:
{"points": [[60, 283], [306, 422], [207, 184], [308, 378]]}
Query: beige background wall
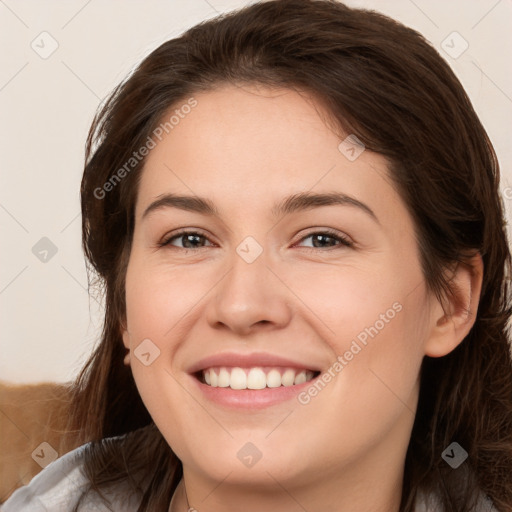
{"points": [[47, 101]]}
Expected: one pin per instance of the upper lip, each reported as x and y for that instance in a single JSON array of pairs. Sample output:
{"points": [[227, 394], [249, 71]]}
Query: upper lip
{"points": [[232, 359]]}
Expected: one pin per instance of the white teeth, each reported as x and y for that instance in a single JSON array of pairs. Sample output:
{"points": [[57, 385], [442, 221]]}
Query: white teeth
{"points": [[273, 379], [300, 378], [288, 377], [238, 379], [223, 381], [255, 378]]}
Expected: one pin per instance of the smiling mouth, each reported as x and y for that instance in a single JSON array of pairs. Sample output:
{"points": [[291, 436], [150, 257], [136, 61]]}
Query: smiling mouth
{"points": [[259, 377]]}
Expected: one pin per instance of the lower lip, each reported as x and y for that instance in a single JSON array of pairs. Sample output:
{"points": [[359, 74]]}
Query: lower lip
{"points": [[251, 398]]}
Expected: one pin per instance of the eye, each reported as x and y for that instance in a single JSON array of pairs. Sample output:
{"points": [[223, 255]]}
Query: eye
{"points": [[189, 239], [325, 239]]}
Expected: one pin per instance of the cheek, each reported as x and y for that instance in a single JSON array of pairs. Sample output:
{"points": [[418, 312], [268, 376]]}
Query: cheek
{"points": [[377, 322], [158, 298], [160, 304]]}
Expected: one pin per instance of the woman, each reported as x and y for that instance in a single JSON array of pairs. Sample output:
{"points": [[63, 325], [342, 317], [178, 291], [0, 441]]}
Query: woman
{"points": [[260, 369]]}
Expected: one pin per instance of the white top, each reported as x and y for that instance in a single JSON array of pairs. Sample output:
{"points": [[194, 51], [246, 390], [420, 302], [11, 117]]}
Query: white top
{"points": [[59, 486]]}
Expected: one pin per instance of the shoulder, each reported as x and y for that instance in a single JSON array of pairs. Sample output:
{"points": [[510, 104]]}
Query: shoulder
{"points": [[57, 487], [60, 486]]}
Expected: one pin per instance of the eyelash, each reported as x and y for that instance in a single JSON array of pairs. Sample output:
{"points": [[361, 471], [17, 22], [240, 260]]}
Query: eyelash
{"points": [[344, 241]]}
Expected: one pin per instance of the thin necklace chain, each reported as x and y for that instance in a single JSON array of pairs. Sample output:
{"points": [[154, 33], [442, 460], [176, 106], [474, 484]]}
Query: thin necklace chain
{"points": [[189, 508]]}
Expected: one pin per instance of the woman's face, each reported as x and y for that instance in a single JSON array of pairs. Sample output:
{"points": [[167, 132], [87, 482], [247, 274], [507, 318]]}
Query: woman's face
{"points": [[279, 282]]}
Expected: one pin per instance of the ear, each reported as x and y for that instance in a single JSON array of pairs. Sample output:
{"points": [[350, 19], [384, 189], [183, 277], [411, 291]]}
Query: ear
{"points": [[126, 342], [452, 320]]}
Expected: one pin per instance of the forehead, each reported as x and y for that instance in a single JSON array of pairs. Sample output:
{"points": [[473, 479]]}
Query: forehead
{"points": [[243, 145]]}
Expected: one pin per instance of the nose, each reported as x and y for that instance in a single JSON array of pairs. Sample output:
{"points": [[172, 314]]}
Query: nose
{"points": [[250, 298]]}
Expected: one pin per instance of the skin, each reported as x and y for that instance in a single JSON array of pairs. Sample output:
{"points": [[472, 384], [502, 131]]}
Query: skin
{"points": [[245, 148]]}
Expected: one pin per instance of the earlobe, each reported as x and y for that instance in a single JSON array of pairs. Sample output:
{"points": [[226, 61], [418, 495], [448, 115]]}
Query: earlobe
{"points": [[126, 338], [126, 343], [451, 324]]}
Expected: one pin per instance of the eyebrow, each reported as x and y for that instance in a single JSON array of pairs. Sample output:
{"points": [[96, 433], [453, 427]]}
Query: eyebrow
{"points": [[297, 202]]}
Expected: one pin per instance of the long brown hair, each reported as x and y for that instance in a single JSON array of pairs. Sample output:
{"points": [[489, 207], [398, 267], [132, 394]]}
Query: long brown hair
{"points": [[387, 85]]}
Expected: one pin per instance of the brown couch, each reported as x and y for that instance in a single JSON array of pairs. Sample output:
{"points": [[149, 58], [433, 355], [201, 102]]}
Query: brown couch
{"points": [[33, 421]]}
